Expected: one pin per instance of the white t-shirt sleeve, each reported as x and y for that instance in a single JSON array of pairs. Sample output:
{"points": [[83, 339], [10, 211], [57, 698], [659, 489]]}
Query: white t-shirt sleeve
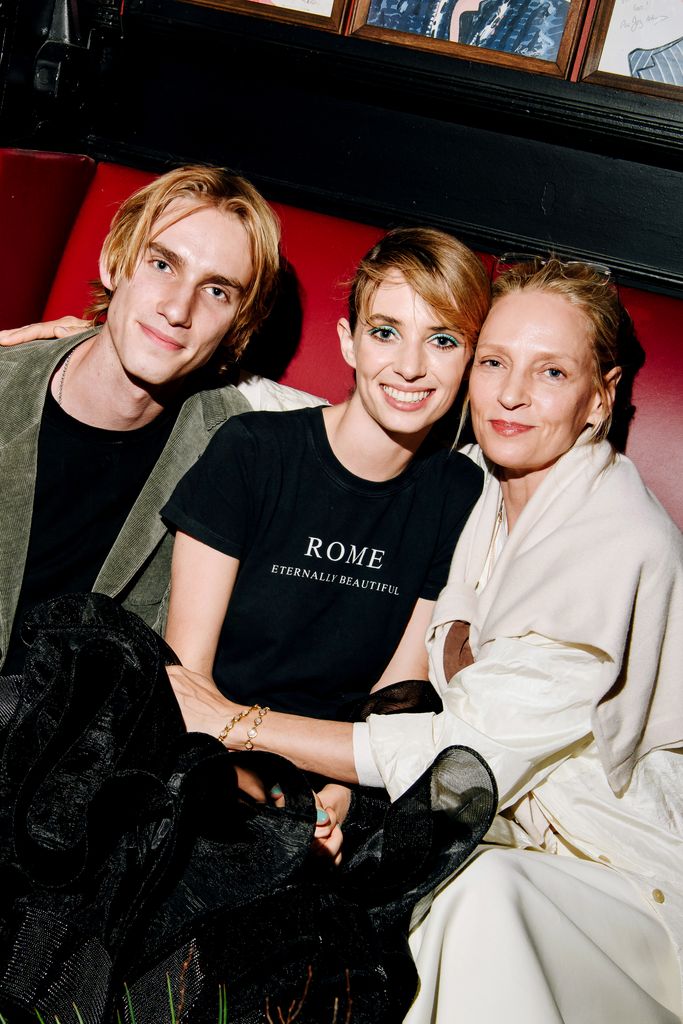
{"points": [[266, 395]]}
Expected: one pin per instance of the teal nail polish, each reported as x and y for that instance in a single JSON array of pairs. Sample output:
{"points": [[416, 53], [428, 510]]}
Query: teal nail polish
{"points": [[276, 791], [322, 816]]}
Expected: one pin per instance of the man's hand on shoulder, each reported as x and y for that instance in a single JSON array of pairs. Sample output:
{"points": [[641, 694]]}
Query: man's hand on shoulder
{"points": [[49, 329]]}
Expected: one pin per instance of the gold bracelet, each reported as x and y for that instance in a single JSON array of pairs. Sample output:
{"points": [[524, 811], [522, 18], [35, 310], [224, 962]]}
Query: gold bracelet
{"points": [[251, 733], [229, 726]]}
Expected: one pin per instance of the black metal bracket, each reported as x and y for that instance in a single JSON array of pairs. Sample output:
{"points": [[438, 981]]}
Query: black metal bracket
{"points": [[59, 61]]}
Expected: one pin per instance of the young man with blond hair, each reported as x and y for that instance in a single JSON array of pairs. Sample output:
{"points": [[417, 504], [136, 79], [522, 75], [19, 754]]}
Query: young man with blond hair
{"points": [[99, 427]]}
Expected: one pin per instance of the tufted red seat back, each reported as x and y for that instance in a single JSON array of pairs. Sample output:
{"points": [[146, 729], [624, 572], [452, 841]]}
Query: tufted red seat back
{"points": [[655, 441], [40, 194]]}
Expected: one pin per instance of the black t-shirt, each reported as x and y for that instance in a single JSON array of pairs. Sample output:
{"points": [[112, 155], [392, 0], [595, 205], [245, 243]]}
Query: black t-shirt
{"points": [[331, 565], [87, 481]]}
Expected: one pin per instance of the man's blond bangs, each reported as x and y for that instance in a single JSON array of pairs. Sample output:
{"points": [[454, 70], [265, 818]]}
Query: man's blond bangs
{"points": [[132, 230]]}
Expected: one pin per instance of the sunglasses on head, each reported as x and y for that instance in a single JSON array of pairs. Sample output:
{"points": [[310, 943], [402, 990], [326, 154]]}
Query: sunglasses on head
{"points": [[515, 259]]}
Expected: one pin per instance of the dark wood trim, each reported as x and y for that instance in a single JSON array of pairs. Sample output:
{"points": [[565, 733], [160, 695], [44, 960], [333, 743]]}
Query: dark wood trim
{"points": [[331, 23]]}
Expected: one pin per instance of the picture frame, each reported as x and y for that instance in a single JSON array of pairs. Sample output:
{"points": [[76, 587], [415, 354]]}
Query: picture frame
{"points": [[533, 35], [323, 14], [637, 45]]}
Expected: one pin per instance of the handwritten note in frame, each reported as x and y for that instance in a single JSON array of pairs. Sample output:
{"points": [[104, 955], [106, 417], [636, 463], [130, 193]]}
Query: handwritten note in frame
{"points": [[638, 44]]}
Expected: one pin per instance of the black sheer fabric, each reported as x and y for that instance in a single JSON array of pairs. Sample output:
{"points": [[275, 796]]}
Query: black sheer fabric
{"points": [[127, 853], [412, 695]]}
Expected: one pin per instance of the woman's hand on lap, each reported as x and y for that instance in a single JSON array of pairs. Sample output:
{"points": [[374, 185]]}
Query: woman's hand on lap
{"points": [[328, 837], [251, 784], [337, 798], [333, 803]]}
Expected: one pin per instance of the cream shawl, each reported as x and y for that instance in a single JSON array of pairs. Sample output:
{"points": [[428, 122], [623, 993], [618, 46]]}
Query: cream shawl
{"points": [[593, 560]]}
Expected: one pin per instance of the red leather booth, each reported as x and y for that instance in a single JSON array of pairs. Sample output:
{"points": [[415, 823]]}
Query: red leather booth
{"points": [[55, 210]]}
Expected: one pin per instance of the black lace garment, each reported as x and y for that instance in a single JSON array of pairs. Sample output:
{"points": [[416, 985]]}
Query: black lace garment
{"points": [[127, 853]]}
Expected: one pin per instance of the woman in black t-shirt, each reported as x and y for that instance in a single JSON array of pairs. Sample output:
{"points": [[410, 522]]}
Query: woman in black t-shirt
{"points": [[312, 545]]}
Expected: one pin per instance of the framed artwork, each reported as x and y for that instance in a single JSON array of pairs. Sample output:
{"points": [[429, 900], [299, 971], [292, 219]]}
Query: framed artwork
{"points": [[325, 14], [536, 35], [637, 45]]}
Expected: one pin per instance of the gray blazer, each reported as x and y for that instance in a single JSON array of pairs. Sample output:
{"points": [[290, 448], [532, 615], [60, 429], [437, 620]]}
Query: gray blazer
{"points": [[137, 568]]}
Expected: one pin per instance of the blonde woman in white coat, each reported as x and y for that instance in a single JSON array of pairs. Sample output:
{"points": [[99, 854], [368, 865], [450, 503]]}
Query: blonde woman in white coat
{"points": [[570, 576]]}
